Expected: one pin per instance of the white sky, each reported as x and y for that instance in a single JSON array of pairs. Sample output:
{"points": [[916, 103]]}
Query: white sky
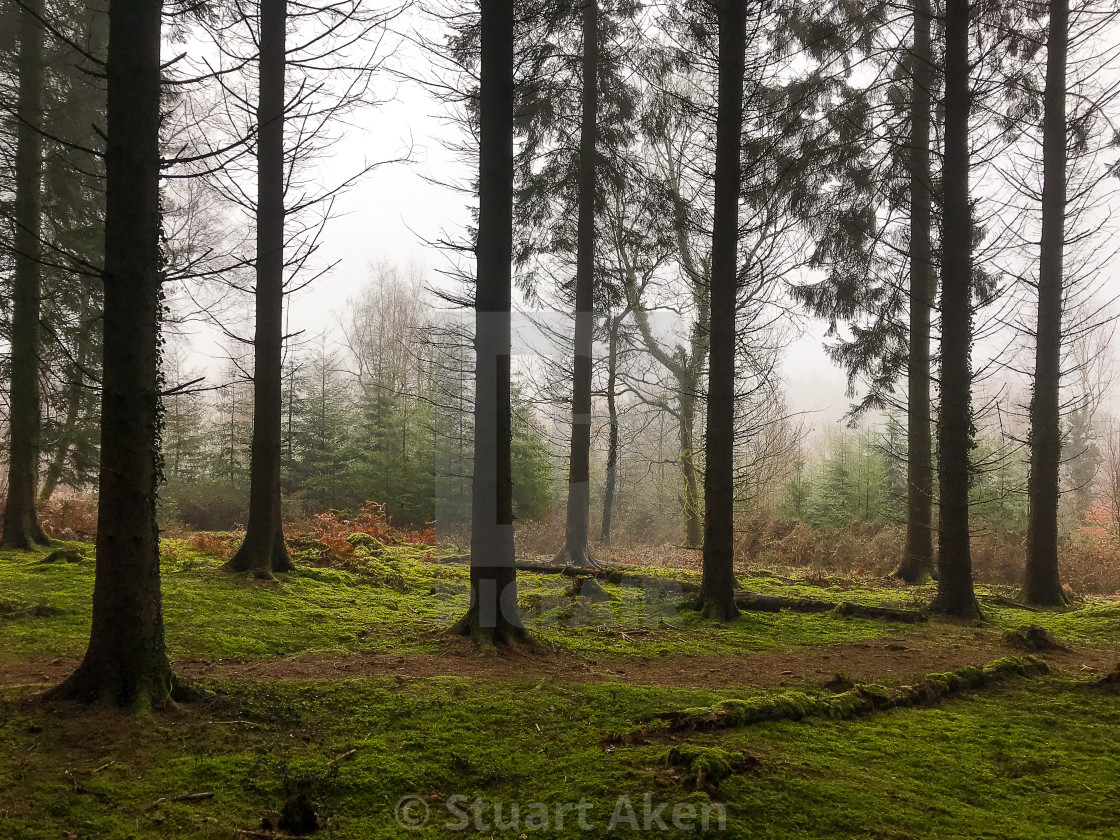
{"points": [[389, 215]]}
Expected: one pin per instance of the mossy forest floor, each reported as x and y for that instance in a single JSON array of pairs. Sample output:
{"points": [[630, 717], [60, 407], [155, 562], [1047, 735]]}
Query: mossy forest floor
{"points": [[341, 693]]}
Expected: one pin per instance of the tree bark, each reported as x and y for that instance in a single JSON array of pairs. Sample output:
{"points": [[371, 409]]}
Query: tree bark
{"points": [[57, 462], [76, 392], [1042, 584], [690, 473], [21, 521], [717, 587], [493, 616], [955, 592], [126, 662], [264, 551], [579, 464], [917, 563], [613, 325]]}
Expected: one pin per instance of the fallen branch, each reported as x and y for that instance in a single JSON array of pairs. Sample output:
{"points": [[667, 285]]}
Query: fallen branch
{"points": [[342, 757], [183, 797]]}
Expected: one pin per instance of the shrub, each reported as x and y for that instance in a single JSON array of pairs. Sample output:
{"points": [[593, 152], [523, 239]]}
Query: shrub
{"points": [[70, 519], [207, 505]]}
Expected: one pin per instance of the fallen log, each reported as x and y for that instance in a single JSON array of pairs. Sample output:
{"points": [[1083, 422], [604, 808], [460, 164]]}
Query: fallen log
{"points": [[850, 610], [858, 701], [624, 574], [755, 602]]}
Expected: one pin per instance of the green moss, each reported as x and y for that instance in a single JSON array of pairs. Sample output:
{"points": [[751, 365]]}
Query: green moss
{"points": [[1023, 761], [397, 600], [394, 600], [705, 767], [859, 700]]}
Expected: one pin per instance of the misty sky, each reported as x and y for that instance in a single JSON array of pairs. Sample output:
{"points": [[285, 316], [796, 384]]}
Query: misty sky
{"points": [[389, 215]]}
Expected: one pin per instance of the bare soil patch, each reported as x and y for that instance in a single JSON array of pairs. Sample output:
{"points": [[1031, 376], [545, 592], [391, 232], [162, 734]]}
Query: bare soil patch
{"points": [[875, 660]]}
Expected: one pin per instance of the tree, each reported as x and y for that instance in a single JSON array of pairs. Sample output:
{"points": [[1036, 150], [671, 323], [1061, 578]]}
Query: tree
{"points": [[613, 325], [21, 522], [717, 588], [579, 466], [322, 436], [74, 242], [126, 662], [391, 361], [917, 560], [669, 201], [493, 614], [1042, 584], [264, 550], [955, 594]]}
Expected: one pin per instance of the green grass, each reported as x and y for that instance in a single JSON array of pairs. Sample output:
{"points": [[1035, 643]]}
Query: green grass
{"points": [[211, 614], [401, 603], [1032, 759], [1029, 759]]}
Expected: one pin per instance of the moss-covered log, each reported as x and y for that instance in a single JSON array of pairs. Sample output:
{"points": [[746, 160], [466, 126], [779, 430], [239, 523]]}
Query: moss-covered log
{"points": [[857, 701], [620, 574], [754, 602], [850, 610]]}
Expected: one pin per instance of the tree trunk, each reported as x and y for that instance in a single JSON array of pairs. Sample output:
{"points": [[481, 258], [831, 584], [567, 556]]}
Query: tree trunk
{"points": [[126, 663], [917, 563], [75, 392], [493, 615], [62, 448], [264, 551], [1042, 584], [693, 518], [954, 593], [21, 522], [579, 465], [613, 326], [717, 588]]}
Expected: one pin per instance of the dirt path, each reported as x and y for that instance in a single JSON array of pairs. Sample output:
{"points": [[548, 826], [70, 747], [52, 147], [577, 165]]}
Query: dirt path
{"points": [[878, 659]]}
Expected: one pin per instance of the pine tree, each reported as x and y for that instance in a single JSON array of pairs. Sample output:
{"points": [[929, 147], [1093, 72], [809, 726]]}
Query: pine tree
{"points": [[21, 521], [493, 615], [1042, 584], [579, 467], [126, 662], [264, 550], [717, 588], [955, 424]]}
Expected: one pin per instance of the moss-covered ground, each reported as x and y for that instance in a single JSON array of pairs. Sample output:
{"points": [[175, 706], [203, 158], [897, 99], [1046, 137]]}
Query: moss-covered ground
{"points": [[1027, 758]]}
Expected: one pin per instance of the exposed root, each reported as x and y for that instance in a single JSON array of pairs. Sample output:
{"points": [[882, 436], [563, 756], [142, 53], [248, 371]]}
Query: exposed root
{"points": [[503, 633], [1032, 637]]}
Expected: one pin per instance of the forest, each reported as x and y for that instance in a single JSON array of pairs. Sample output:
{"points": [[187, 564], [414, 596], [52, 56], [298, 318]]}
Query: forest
{"points": [[416, 419]]}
